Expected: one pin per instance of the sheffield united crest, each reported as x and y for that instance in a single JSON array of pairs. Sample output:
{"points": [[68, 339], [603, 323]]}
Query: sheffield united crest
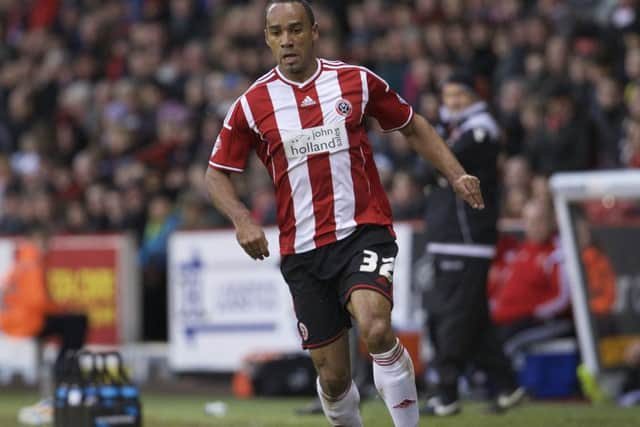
{"points": [[304, 332], [343, 107]]}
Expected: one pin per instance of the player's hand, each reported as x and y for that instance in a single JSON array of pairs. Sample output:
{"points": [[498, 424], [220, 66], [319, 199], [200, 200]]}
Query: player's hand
{"points": [[252, 239], [468, 187]]}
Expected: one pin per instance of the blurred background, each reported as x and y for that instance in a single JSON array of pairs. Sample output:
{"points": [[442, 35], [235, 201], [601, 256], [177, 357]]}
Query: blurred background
{"points": [[109, 110]]}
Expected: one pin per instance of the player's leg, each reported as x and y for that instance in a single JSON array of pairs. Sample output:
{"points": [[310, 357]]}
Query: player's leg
{"points": [[337, 391], [366, 291], [323, 323], [393, 372]]}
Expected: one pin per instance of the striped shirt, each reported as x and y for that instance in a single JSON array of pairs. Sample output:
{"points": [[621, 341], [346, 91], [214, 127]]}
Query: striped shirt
{"points": [[311, 138]]}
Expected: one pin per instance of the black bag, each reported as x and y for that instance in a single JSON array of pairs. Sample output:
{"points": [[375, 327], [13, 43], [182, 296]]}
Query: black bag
{"points": [[95, 391], [286, 375]]}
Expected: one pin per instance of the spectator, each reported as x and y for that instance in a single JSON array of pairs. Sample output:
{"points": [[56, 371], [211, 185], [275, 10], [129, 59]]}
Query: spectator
{"points": [[563, 145], [161, 222], [607, 113], [600, 276], [10, 220], [517, 186], [630, 153], [530, 290], [510, 101]]}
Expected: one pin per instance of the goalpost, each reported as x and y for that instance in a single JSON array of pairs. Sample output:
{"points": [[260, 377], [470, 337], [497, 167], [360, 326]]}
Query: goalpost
{"points": [[606, 206]]}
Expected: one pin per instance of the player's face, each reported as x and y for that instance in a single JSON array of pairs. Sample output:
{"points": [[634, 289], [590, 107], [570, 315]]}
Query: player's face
{"points": [[291, 37], [456, 97]]}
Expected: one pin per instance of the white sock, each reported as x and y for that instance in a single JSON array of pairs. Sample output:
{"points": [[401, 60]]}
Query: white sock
{"points": [[394, 378], [343, 411]]}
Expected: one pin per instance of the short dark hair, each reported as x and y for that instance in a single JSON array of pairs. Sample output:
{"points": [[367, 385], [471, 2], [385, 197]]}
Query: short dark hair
{"points": [[461, 77], [304, 3]]}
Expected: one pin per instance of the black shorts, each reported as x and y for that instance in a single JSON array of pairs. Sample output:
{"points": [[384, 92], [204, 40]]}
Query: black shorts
{"points": [[321, 281]]}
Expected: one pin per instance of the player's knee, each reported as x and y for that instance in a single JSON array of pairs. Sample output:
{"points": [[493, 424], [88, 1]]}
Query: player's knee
{"points": [[334, 381], [377, 334]]}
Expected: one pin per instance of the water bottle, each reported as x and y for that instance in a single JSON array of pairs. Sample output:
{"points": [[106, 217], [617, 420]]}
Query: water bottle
{"points": [[129, 393], [74, 410], [108, 393], [90, 388]]}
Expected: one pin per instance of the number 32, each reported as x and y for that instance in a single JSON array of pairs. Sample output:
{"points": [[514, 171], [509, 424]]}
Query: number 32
{"points": [[370, 264]]}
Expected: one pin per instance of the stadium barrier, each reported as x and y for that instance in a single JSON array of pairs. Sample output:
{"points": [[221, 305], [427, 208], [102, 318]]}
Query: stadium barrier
{"points": [[97, 273], [219, 298]]}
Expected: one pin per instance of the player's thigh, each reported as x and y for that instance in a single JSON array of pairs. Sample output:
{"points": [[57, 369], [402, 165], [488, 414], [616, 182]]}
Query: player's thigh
{"points": [[332, 361], [367, 306], [367, 292]]}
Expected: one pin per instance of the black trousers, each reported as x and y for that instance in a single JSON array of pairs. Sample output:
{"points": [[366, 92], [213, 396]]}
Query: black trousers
{"points": [[71, 329], [460, 325]]}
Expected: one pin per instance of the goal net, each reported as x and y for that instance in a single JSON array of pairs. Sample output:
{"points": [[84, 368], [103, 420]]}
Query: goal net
{"points": [[598, 217]]}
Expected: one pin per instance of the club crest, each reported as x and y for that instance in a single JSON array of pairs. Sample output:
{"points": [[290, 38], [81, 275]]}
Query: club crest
{"points": [[343, 107], [304, 332]]}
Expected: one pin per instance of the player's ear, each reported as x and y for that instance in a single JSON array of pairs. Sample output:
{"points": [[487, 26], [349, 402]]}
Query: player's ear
{"points": [[266, 37], [315, 33]]}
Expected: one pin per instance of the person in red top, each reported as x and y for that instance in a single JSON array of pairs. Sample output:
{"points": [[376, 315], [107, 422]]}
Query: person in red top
{"points": [[305, 120], [506, 248], [532, 288]]}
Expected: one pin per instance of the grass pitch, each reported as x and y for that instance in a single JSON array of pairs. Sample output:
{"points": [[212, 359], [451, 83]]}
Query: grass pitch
{"points": [[188, 411]]}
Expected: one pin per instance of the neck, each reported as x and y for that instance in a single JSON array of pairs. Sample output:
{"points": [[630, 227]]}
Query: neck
{"points": [[302, 75]]}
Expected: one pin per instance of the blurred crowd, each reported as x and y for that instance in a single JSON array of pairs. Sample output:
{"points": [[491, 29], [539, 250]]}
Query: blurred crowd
{"points": [[109, 108]]}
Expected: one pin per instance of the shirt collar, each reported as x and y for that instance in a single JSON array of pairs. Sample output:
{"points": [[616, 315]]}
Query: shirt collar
{"points": [[300, 85]]}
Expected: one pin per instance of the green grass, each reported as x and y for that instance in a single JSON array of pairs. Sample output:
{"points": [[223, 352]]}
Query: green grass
{"points": [[188, 411]]}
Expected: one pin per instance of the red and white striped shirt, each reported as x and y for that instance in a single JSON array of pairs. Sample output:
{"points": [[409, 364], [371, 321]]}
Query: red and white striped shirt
{"points": [[311, 138]]}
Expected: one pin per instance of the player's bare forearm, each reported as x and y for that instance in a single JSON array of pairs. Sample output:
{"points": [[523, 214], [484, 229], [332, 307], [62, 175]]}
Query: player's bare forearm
{"points": [[430, 146], [426, 141], [225, 198]]}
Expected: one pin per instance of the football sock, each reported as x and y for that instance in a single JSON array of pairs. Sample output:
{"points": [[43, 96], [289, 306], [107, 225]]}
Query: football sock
{"points": [[394, 378], [344, 410]]}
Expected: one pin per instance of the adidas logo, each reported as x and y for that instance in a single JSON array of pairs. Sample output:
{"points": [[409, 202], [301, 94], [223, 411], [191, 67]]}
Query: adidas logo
{"points": [[404, 404], [307, 102]]}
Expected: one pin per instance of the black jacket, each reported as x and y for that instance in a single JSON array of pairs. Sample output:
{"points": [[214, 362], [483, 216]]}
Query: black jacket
{"points": [[455, 228]]}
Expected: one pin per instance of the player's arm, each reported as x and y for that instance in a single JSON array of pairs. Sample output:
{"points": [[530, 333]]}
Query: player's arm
{"points": [[250, 235], [426, 141], [230, 153]]}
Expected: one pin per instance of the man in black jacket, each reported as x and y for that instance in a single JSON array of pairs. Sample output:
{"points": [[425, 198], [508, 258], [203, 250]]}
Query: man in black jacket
{"points": [[462, 243]]}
